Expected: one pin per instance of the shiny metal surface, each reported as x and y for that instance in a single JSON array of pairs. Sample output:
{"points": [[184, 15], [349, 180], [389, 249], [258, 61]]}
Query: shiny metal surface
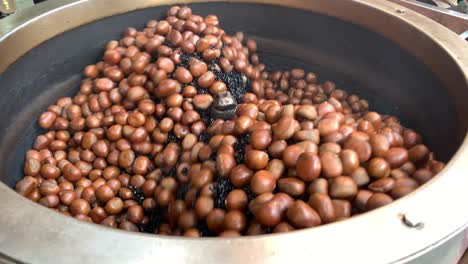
{"points": [[33, 234], [7, 6], [224, 106], [456, 21]]}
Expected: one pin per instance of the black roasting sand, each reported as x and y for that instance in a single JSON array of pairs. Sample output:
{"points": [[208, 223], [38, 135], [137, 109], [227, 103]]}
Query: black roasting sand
{"points": [[233, 80], [172, 138], [237, 83], [203, 229], [204, 137], [168, 43], [156, 100], [239, 148], [182, 191], [156, 218], [201, 90], [221, 188], [249, 192], [213, 156], [184, 59], [250, 197], [138, 195], [206, 117], [172, 172]]}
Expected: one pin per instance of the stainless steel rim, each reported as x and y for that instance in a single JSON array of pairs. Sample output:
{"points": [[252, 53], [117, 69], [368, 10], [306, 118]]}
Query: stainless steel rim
{"points": [[33, 234]]}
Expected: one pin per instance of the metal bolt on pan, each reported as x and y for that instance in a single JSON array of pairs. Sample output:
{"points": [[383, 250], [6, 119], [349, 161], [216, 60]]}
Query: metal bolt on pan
{"points": [[224, 106]]}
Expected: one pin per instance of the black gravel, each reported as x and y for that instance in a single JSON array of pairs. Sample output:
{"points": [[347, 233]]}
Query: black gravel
{"points": [[155, 99], [203, 229], [156, 218], [221, 188], [173, 171], [138, 195], [182, 191], [213, 156], [206, 116], [173, 138], [249, 192], [184, 58], [250, 196], [239, 148], [204, 137], [233, 80], [201, 90], [168, 43]]}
